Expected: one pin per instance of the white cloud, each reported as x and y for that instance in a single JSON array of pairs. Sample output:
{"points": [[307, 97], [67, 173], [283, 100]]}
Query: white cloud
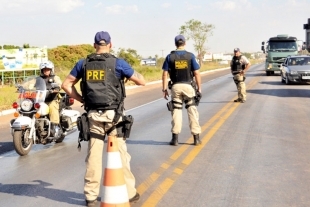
{"points": [[38, 6], [297, 5], [99, 4], [291, 3], [225, 5], [233, 5], [166, 5], [115, 9], [67, 5], [133, 9], [119, 9], [192, 7]]}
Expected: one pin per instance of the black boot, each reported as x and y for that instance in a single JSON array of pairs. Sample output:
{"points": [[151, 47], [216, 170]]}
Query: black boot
{"points": [[174, 140], [197, 140]]}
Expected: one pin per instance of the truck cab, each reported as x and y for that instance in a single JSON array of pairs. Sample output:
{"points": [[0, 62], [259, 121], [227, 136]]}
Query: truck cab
{"points": [[276, 50]]}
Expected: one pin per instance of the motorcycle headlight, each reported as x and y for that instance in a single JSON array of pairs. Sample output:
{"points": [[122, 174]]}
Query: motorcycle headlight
{"points": [[26, 105]]}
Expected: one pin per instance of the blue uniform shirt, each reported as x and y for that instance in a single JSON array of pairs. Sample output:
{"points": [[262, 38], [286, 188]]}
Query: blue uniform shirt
{"points": [[195, 65], [122, 69]]}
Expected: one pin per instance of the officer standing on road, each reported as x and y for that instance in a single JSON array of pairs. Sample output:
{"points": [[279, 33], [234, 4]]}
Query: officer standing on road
{"points": [[239, 65], [182, 67], [103, 92], [53, 97]]}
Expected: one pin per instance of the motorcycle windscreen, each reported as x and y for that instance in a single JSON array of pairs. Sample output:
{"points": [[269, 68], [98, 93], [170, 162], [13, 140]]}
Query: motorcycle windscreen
{"points": [[40, 87]]}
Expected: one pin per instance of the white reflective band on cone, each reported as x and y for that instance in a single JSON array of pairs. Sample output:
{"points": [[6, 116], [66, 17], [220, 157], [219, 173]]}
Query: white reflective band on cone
{"points": [[115, 195], [114, 160]]}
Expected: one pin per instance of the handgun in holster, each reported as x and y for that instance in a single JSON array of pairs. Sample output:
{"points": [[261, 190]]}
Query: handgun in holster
{"points": [[170, 106], [197, 97], [237, 81], [83, 127], [170, 84], [123, 128]]}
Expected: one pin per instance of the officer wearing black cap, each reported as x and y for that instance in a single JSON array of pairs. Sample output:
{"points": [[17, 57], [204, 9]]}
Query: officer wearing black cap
{"points": [[239, 65], [182, 68]]}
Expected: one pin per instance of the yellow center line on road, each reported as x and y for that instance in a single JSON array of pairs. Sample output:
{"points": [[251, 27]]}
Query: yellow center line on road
{"points": [[168, 182], [155, 175], [156, 196]]}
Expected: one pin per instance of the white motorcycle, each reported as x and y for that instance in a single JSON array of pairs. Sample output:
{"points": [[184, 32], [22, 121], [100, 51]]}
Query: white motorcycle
{"points": [[32, 124]]}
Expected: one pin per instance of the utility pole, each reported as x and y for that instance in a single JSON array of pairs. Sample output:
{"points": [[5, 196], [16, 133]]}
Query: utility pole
{"points": [[162, 53]]}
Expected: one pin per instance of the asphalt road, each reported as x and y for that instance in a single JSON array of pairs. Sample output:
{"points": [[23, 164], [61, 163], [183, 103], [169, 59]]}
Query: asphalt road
{"points": [[253, 154]]}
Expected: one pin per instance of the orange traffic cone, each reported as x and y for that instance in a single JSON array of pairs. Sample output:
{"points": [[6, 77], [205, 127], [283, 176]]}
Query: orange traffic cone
{"points": [[114, 191]]}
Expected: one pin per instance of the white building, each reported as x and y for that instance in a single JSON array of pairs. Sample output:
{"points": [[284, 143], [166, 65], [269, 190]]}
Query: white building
{"points": [[148, 61], [216, 56]]}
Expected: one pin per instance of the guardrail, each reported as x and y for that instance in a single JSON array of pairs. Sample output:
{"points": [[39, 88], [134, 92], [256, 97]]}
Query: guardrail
{"points": [[12, 76]]}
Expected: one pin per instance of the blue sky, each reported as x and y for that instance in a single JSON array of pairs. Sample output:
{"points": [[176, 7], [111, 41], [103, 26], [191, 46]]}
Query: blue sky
{"points": [[150, 26]]}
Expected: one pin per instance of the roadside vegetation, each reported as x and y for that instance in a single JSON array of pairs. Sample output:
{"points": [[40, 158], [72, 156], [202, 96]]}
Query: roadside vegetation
{"points": [[150, 73], [64, 58]]}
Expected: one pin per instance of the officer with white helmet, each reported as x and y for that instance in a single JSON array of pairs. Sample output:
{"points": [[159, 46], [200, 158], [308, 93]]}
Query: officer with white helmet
{"points": [[53, 97]]}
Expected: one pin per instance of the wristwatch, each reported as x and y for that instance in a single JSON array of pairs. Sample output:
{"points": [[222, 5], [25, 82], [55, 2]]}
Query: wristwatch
{"points": [[164, 90]]}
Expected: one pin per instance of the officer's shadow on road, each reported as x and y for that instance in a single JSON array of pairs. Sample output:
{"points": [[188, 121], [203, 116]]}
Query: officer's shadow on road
{"points": [[6, 147], [275, 83], [152, 142], [145, 142], [208, 102], [280, 83], [42, 190], [254, 74], [298, 93]]}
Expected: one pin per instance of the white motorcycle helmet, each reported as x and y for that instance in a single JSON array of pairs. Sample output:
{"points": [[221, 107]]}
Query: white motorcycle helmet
{"points": [[46, 64]]}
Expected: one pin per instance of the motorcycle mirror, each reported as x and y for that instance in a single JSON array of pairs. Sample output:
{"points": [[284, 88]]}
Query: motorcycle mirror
{"points": [[19, 88]]}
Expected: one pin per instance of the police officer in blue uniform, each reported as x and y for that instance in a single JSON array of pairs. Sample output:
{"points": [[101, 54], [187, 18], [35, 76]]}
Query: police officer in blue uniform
{"points": [[182, 68], [103, 91]]}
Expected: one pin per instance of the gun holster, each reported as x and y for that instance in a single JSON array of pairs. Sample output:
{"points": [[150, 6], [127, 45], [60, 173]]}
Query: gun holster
{"points": [[197, 98], [124, 127], [170, 106], [83, 127], [170, 85], [237, 81]]}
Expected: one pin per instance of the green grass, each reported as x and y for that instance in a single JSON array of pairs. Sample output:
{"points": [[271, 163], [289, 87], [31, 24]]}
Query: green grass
{"points": [[7, 97], [151, 73]]}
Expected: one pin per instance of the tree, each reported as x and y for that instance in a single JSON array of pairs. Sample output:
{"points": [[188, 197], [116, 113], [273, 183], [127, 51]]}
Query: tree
{"points": [[160, 61], [130, 55], [26, 45], [8, 47], [247, 55], [198, 32]]}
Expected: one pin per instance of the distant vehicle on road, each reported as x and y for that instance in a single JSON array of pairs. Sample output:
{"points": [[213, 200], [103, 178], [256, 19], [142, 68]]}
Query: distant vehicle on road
{"points": [[296, 69], [277, 49]]}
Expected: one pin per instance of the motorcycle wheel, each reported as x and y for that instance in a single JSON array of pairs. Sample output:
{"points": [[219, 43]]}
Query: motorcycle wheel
{"points": [[22, 143]]}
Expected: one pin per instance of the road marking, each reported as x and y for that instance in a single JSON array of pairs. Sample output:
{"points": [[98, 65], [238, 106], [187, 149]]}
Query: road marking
{"points": [[155, 197], [155, 175], [162, 189]]}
